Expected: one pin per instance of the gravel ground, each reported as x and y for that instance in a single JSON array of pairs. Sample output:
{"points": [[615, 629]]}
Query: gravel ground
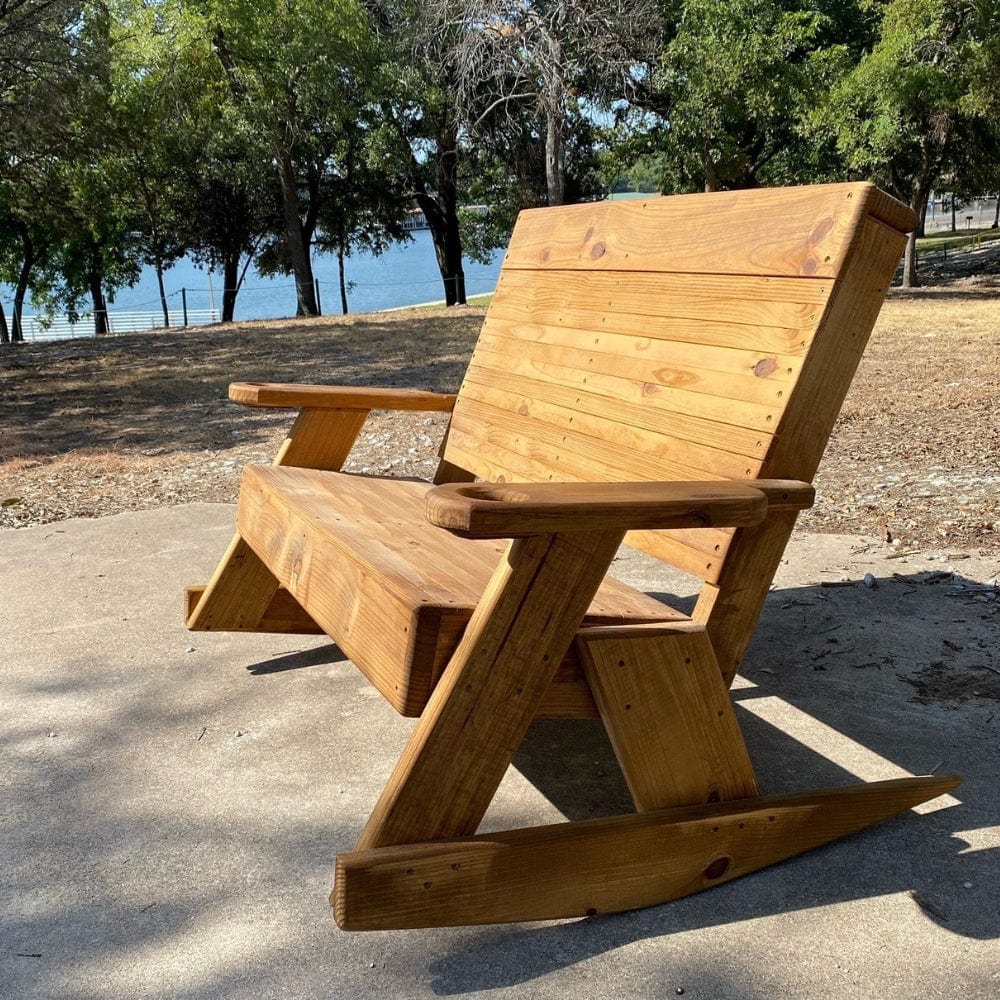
{"points": [[95, 427]]}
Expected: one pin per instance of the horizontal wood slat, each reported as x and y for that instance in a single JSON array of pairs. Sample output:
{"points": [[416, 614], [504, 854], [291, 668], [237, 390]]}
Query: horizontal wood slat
{"points": [[671, 374], [797, 232], [643, 415], [568, 299], [763, 367], [624, 437], [698, 405]]}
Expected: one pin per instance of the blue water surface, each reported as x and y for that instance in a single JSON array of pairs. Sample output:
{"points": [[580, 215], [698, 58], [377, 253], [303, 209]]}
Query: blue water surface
{"points": [[406, 274]]}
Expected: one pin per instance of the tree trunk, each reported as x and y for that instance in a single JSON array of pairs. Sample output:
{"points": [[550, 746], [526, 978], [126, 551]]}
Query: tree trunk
{"points": [[20, 292], [163, 293], [101, 328], [954, 228], [710, 169], [922, 220], [230, 286], [298, 248], [996, 215], [4, 332], [340, 274], [441, 212], [555, 160], [919, 205]]}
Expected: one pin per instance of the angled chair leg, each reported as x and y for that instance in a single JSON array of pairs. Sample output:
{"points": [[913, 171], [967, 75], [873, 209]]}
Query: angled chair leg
{"points": [[239, 594], [243, 594], [668, 715], [604, 865], [490, 691]]}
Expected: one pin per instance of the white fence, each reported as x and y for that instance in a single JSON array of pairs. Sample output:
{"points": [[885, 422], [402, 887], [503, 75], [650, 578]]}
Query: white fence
{"points": [[64, 328]]}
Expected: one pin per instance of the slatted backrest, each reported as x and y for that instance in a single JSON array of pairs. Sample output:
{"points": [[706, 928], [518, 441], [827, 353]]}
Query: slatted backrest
{"points": [[686, 338]]}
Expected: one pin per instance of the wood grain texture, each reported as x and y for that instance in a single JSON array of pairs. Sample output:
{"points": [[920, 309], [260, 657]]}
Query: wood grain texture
{"points": [[392, 590], [237, 596], [668, 715], [604, 865], [491, 689], [241, 594], [751, 313], [282, 615], [336, 397], [321, 438], [804, 232], [730, 612], [491, 510]]}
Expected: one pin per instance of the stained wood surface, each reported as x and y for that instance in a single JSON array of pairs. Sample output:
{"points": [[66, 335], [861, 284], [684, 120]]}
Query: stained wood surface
{"points": [[336, 397], [804, 232], [242, 592], [237, 596], [491, 689], [604, 865], [487, 510], [668, 714], [283, 614], [391, 589], [731, 611]]}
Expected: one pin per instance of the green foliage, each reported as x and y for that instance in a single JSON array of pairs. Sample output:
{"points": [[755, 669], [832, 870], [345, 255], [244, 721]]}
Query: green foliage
{"points": [[897, 114], [734, 89]]}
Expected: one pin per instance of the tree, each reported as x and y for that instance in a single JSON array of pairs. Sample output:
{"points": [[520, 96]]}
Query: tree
{"points": [[419, 124], [897, 115], [552, 59], [365, 202], [291, 69], [734, 89]]}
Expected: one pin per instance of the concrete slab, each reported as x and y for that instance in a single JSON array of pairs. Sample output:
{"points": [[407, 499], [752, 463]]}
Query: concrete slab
{"points": [[171, 803]]}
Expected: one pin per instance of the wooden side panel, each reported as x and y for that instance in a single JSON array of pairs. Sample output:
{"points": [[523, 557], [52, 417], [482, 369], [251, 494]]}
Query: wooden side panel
{"points": [[731, 608], [805, 232], [668, 715]]}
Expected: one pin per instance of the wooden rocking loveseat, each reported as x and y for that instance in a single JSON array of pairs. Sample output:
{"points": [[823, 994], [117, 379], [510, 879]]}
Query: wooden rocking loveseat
{"points": [[663, 372]]}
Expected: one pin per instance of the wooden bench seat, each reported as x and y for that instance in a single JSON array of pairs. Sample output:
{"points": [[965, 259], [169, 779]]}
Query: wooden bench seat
{"points": [[391, 589]]}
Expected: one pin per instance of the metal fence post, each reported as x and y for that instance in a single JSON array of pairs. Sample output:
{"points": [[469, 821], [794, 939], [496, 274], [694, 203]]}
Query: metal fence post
{"points": [[184, 305]]}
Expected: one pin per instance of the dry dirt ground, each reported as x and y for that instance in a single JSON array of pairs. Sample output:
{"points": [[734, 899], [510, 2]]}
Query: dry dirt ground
{"points": [[94, 427]]}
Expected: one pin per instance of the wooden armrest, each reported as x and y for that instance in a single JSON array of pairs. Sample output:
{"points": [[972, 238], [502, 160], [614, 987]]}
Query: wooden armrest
{"points": [[498, 510], [337, 397]]}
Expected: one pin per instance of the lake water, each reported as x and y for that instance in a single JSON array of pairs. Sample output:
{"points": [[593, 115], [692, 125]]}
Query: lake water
{"points": [[406, 274]]}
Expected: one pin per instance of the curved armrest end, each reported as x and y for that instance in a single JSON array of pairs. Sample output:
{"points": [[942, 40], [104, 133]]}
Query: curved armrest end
{"points": [[337, 397], [501, 510]]}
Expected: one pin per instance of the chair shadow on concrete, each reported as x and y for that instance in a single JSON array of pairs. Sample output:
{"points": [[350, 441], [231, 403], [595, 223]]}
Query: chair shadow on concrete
{"points": [[867, 696]]}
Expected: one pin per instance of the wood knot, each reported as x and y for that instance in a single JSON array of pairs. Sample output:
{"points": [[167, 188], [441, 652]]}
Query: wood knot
{"points": [[821, 231], [765, 367], [544, 256], [649, 388], [810, 265], [597, 251], [717, 868], [523, 409]]}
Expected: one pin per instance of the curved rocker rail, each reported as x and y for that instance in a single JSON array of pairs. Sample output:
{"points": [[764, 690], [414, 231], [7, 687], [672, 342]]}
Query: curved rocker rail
{"points": [[604, 865]]}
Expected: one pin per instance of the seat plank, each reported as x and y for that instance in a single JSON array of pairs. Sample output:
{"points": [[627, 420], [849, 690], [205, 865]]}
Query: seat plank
{"points": [[393, 591]]}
